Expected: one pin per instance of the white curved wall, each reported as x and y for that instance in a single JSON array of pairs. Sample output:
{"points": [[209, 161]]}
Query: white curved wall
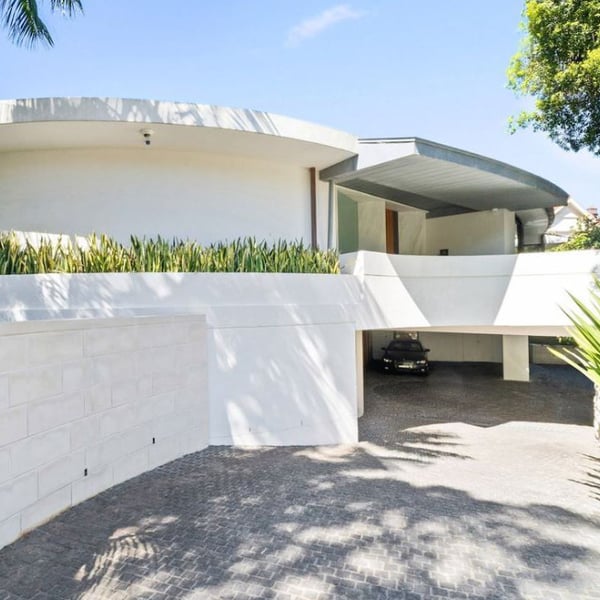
{"points": [[150, 191], [89, 403], [518, 294]]}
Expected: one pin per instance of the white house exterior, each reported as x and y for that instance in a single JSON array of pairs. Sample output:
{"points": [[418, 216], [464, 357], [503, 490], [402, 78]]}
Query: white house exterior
{"points": [[79, 165], [105, 376], [566, 220]]}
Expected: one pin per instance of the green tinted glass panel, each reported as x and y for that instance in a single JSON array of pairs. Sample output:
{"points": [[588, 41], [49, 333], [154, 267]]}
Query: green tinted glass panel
{"points": [[347, 224]]}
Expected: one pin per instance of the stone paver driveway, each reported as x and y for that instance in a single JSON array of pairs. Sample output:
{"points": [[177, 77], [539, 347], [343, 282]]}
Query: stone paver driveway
{"points": [[464, 486]]}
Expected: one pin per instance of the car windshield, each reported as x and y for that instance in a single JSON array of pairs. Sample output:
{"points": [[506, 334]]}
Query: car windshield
{"points": [[406, 346]]}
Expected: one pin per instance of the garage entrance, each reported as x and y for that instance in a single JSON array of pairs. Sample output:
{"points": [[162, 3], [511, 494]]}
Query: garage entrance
{"points": [[474, 394]]}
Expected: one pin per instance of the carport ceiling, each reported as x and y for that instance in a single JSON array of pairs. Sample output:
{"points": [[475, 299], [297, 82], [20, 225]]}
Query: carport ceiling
{"points": [[441, 180]]}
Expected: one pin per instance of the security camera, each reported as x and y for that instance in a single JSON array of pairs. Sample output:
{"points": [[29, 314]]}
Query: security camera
{"points": [[147, 135]]}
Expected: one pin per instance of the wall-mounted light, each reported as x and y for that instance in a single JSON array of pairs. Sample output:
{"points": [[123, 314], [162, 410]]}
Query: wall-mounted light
{"points": [[147, 135]]}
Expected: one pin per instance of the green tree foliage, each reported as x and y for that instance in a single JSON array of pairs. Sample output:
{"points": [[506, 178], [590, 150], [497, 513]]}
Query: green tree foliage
{"points": [[586, 236], [22, 20], [558, 64]]}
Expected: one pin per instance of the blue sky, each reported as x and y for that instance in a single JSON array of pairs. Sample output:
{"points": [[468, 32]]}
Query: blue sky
{"points": [[430, 68]]}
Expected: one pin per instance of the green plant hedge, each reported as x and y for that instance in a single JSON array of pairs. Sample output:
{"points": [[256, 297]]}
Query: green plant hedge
{"points": [[105, 255]]}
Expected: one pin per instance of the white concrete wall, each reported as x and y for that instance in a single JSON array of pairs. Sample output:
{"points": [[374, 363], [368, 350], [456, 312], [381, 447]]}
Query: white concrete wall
{"points": [[371, 225], [462, 347], [486, 232], [149, 191], [411, 232], [281, 346], [115, 397], [283, 384], [519, 294]]}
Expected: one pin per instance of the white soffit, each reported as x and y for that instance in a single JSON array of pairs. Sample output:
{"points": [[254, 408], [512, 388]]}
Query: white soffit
{"points": [[444, 180], [55, 123]]}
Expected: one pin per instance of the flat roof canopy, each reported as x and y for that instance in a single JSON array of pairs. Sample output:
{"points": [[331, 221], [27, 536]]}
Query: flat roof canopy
{"points": [[441, 180], [53, 123]]}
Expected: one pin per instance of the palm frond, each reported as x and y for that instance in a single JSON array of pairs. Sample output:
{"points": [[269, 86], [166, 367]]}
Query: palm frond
{"points": [[68, 8], [22, 20], [24, 24]]}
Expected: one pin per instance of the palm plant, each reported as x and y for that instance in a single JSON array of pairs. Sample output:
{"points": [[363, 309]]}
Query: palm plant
{"points": [[23, 21], [585, 355]]}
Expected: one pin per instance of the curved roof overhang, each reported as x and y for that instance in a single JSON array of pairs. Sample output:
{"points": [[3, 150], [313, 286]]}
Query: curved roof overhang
{"points": [[441, 180], [55, 123]]}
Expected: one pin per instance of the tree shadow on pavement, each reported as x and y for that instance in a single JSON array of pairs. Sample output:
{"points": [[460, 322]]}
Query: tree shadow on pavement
{"points": [[334, 522], [591, 477]]}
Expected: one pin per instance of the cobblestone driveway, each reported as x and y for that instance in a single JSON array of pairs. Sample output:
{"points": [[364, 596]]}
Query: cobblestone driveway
{"points": [[464, 486]]}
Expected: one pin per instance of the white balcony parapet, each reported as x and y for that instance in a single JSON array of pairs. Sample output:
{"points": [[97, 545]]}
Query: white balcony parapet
{"points": [[521, 294]]}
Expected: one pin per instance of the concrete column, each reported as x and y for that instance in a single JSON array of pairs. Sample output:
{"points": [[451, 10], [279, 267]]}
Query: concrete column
{"points": [[515, 357], [360, 366]]}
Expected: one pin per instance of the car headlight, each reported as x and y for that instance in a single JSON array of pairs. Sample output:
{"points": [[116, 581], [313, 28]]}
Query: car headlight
{"points": [[421, 362], [387, 360]]}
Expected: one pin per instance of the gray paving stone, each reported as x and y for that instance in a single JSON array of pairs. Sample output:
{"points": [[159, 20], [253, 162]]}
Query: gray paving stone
{"points": [[463, 486]]}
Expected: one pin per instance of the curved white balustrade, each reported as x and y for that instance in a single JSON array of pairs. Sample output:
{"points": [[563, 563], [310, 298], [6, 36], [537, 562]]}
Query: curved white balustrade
{"points": [[519, 294]]}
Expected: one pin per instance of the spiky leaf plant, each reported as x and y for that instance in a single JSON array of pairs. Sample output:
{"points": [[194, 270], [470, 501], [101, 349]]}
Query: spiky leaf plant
{"points": [[585, 331], [585, 355], [105, 255]]}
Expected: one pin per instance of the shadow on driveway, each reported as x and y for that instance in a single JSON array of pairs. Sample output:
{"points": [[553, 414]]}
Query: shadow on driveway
{"points": [[438, 510], [310, 523], [476, 394]]}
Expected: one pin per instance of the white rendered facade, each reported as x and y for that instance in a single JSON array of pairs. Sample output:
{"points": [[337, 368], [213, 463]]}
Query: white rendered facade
{"points": [[152, 192], [81, 165]]}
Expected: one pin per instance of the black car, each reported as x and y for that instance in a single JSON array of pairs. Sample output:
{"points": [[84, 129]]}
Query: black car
{"points": [[405, 356]]}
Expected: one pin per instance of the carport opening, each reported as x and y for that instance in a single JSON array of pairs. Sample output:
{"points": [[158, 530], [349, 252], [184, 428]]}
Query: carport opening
{"points": [[465, 384]]}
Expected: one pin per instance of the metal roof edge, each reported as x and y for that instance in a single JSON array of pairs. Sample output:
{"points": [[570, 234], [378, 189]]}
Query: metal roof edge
{"points": [[435, 150]]}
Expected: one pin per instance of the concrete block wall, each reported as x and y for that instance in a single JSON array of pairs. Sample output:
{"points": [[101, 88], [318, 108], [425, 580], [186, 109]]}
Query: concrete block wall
{"points": [[87, 404]]}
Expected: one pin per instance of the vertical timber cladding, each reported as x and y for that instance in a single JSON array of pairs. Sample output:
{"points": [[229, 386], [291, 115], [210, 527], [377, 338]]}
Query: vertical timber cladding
{"points": [[391, 232], [313, 207]]}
